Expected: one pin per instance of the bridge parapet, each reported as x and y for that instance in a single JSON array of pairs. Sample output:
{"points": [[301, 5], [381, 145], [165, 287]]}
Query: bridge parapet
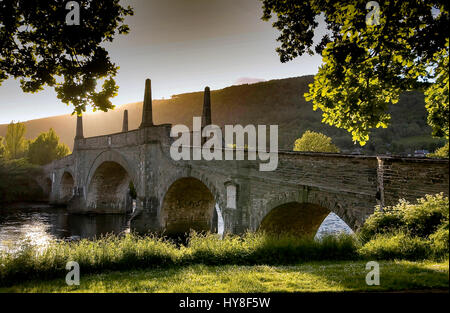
{"points": [[67, 161], [412, 178], [157, 133]]}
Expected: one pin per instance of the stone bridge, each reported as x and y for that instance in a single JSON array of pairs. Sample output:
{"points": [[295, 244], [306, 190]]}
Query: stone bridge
{"points": [[105, 173]]}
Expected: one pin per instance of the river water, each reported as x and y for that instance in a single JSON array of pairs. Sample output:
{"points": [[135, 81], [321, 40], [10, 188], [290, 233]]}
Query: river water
{"points": [[40, 225]]}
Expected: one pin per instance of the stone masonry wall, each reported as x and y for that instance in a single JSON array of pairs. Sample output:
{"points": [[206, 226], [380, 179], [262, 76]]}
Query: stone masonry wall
{"points": [[351, 186]]}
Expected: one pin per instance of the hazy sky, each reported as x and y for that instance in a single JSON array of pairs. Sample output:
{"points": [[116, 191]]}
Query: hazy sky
{"points": [[183, 46]]}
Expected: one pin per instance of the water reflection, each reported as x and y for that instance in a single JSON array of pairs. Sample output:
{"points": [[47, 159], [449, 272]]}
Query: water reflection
{"points": [[39, 227]]}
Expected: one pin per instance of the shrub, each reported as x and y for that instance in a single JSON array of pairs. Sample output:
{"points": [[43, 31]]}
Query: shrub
{"points": [[421, 219], [396, 246], [408, 231], [382, 222], [439, 243], [425, 217]]}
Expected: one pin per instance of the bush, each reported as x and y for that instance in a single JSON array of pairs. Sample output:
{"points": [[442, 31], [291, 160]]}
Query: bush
{"points": [[439, 243], [382, 222], [396, 246], [421, 219], [424, 218], [408, 231]]}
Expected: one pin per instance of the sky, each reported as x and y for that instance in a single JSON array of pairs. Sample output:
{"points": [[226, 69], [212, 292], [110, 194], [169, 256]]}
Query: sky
{"points": [[182, 46]]}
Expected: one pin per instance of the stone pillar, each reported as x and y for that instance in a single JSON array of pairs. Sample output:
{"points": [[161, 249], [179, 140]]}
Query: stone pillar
{"points": [[125, 121], [206, 116], [147, 115], [79, 134]]}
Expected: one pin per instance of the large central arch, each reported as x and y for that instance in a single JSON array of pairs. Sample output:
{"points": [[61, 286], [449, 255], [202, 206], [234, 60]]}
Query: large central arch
{"points": [[109, 189], [108, 184], [188, 205]]}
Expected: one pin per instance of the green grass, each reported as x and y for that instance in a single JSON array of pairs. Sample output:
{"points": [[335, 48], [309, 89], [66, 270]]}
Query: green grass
{"points": [[135, 252], [306, 277]]}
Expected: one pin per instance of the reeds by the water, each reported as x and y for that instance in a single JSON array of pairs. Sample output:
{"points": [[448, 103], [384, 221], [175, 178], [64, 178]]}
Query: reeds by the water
{"points": [[133, 251]]}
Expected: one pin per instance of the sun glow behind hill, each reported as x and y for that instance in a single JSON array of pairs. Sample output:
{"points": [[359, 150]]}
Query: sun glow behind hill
{"points": [[275, 102], [231, 105]]}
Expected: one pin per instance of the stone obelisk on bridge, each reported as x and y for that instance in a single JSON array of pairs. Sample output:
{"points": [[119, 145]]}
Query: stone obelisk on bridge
{"points": [[125, 121], [79, 133], [206, 116], [147, 114]]}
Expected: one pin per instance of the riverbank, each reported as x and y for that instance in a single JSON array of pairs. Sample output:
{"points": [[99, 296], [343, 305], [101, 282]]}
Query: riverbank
{"points": [[130, 251], [320, 276], [152, 254]]}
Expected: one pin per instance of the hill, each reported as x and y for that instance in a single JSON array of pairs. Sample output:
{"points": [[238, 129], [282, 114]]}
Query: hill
{"points": [[272, 102]]}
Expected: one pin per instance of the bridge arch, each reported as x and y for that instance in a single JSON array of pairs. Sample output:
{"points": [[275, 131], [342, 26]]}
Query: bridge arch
{"points": [[111, 156], [302, 213], [66, 186], [189, 203], [108, 184]]}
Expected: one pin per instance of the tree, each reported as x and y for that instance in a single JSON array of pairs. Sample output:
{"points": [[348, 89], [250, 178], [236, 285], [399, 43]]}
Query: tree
{"points": [[2, 148], [442, 152], [15, 143], [46, 148], [315, 142], [370, 56], [39, 47], [17, 181]]}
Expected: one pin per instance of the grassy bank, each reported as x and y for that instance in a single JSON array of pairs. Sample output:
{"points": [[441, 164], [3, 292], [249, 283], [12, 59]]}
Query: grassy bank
{"points": [[153, 254], [414, 232], [135, 252], [306, 277]]}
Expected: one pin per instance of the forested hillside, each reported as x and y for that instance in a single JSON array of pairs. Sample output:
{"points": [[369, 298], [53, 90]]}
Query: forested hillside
{"points": [[273, 102]]}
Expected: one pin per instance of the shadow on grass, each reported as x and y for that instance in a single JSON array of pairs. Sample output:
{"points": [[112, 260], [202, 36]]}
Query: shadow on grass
{"points": [[394, 275], [327, 276]]}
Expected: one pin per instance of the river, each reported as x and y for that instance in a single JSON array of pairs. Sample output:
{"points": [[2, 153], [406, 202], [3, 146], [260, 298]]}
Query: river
{"points": [[39, 225]]}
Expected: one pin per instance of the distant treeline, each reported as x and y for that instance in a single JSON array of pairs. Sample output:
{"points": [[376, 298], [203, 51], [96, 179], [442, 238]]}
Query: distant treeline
{"points": [[20, 159], [17, 183]]}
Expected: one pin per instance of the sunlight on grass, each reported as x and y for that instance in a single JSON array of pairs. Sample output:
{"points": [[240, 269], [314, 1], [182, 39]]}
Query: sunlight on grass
{"points": [[307, 277]]}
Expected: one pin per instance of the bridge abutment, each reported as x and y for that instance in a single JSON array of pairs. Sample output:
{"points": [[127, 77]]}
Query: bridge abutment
{"points": [[145, 218]]}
